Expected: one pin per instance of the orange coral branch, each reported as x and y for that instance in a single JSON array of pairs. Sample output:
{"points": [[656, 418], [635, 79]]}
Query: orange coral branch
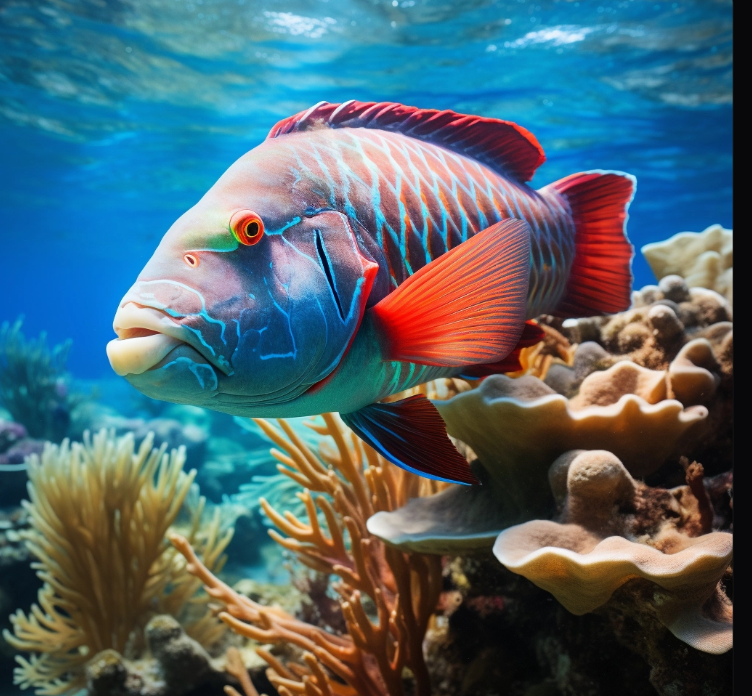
{"points": [[404, 590]]}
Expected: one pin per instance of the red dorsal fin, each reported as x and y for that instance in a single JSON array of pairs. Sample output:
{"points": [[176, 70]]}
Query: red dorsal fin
{"points": [[411, 434], [464, 308], [502, 145], [600, 281]]}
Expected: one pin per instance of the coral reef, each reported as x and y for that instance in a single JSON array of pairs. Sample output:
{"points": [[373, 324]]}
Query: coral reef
{"points": [[171, 432], [704, 259], [660, 322], [18, 583], [386, 597], [34, 386], [497, 633], [516, 427], [10, 434], [99, 514], [15, 446], [596, 525], [610, 530], [669, 394], [650, 558]]}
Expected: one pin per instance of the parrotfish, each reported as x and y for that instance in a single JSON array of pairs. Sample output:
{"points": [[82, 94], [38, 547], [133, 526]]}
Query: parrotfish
{"points": [[363, 249]]}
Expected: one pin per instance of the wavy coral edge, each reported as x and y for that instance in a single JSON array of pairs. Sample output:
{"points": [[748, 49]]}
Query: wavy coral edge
{"points": [[557, 569]]}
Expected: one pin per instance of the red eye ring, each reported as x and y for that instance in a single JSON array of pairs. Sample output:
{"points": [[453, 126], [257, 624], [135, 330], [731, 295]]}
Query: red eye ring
{"points": [[191, 260], [247, 227]]}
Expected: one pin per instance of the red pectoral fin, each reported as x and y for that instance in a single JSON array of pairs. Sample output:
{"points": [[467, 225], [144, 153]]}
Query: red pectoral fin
{"points": [[411, 434], [464, 308], [531, 335]]}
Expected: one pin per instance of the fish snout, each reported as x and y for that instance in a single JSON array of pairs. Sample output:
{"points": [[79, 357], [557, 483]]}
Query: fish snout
{"points": [[145, 337]]}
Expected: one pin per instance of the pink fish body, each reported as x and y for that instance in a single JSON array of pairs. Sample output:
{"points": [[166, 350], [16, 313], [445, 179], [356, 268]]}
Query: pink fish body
{"points": [[363, 249]]}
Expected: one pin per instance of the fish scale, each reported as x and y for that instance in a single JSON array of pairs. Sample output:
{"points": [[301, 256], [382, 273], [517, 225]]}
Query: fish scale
{"points": [[430, 200]]}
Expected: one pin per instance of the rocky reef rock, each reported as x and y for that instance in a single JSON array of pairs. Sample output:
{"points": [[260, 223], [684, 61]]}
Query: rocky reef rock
{"points": [[174, 665]]}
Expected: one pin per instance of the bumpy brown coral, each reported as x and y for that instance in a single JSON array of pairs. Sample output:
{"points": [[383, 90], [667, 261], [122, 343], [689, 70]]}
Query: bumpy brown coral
{"points": [[704, 259], [99, 514], [660, 322], [613, 528], [402, 589]]}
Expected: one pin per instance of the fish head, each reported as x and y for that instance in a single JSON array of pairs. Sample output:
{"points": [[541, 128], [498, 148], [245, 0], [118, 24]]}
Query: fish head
{"points": [[252, 297]]}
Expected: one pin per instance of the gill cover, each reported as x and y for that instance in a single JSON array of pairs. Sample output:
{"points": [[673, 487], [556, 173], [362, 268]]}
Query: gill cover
{"points": [[349, 272]]}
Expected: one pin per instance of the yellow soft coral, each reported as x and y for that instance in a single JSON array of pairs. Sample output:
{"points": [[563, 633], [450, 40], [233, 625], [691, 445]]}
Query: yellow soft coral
{"points": [[99, 514]]}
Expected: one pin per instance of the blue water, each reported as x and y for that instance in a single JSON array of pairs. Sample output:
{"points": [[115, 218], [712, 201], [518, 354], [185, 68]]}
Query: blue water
{"points": [[117, 116]]}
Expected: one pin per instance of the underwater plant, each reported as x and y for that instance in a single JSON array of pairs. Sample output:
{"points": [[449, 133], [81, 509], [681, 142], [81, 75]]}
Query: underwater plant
{"points": [[387, 597], [34, 386], [99, 514]]}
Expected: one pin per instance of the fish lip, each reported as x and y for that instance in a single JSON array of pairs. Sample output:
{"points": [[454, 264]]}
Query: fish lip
{"points": [[155, 319]]}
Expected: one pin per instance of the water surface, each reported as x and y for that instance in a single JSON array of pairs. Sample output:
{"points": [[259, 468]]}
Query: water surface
{"points": [[117, 116]]}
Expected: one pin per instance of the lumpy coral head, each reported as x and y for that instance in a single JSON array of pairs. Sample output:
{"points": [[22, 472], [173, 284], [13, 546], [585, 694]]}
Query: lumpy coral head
{"points": [[704, 259]]}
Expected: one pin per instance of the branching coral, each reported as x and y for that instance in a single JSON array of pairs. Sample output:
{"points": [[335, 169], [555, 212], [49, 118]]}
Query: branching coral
{"points": [[99, 514], [612, 529], [277, 489], [33, 383], [387, 597]]}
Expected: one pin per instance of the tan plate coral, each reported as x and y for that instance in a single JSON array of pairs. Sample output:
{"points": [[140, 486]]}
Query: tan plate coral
{"points": [[704, 259], [517, 427], [608, 534]]}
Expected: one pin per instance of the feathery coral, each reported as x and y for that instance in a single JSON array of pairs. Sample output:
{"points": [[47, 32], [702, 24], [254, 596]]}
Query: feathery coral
{"points": [[99, 514], [355, 483]]}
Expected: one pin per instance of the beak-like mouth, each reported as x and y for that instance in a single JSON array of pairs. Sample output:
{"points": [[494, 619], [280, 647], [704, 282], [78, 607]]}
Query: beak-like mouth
{"points": [[145, 337]]}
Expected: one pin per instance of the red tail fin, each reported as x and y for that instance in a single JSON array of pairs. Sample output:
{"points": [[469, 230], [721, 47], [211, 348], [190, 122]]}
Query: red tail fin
{"points": [[601, 278]]}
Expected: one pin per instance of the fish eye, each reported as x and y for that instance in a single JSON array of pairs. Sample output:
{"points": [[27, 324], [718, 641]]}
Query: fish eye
{"points": [[191, 260], [247, 227]]}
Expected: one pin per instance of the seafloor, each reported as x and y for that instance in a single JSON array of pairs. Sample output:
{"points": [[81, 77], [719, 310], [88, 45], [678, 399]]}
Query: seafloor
{"points": [[595, 559]]}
